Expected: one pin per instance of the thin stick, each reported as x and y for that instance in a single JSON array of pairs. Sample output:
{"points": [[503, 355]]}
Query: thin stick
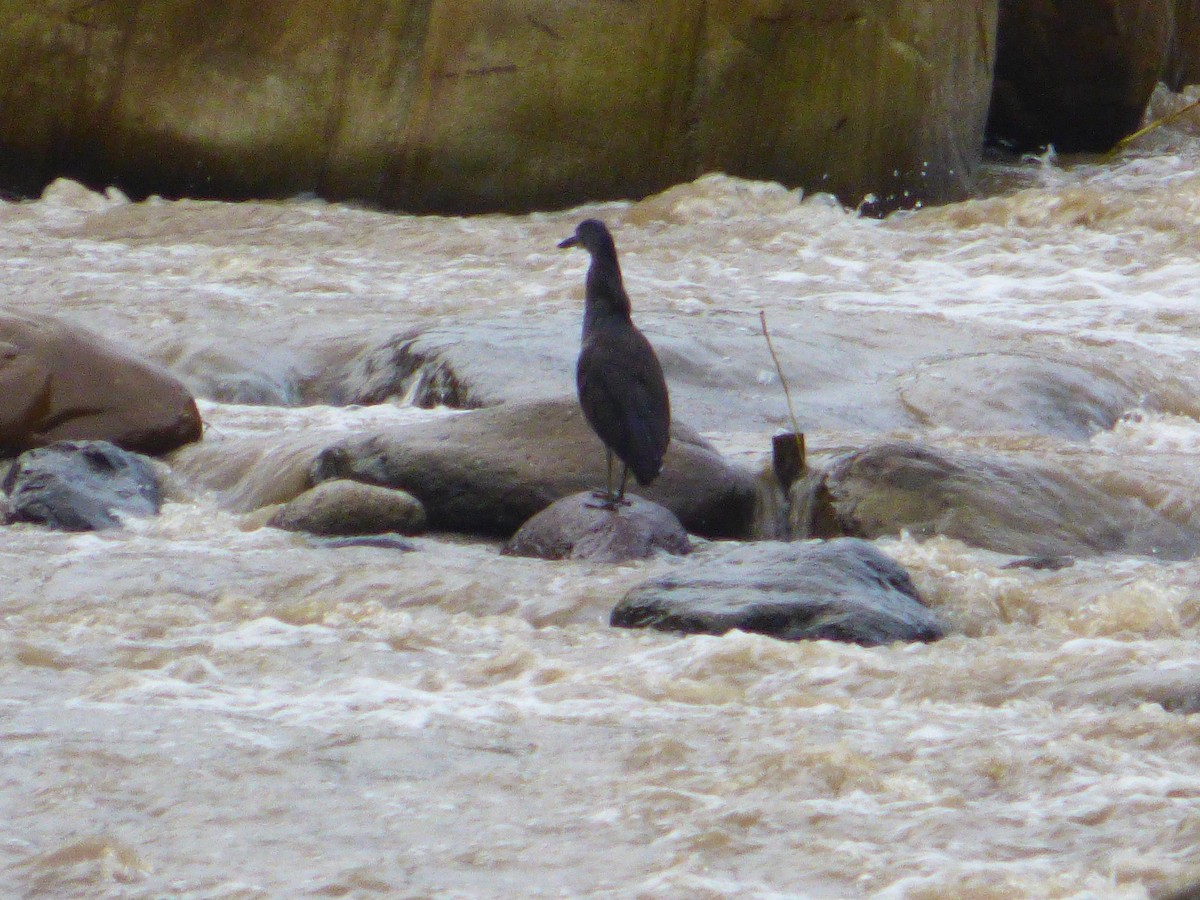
{"points": [[1157, 123], [762, 317]]}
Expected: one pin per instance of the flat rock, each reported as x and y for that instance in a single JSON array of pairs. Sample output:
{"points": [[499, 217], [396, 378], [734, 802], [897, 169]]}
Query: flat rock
{"points": [[488, 471], [341, 507], [1034, 393], [81, 486], [842, 375], [374, 541], [575, 527], [1023, 507], [60, 382], [840, 590]]}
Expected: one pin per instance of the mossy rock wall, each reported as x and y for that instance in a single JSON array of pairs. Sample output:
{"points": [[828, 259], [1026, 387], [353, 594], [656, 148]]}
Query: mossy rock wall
{"points": [[494, 104]]}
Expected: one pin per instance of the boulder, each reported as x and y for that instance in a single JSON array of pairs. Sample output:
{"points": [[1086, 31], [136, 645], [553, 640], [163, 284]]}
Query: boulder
{"points": [[840, 590], [487, 471], [463, 365], [340, 508], [1017, 392], [81, 486], [60, 382], [843, 374], [1183, 60], [1076, 75], [577, 527], [1009, 505], [494, 104]]}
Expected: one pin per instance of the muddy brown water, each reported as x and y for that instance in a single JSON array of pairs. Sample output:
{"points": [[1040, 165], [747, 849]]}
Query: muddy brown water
{"points": [[198, 706]]}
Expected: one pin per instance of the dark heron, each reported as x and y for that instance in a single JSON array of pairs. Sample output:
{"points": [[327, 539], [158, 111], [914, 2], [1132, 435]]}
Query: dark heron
{"points": [[620, 381]]}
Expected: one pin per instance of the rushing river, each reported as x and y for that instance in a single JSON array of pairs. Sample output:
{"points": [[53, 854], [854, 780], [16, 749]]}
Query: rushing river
{"points": [[199, 706]]}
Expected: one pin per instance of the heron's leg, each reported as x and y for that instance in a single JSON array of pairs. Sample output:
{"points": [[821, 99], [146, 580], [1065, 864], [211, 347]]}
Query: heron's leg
{"points": [[608, 500], [624, 474]]}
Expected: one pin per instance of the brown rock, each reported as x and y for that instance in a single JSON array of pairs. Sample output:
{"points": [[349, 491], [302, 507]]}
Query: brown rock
{"points": [[577, 527], [343, 507], [495, 104], [1076, 75], [1021, 506], [61, 382], [487, 471]]}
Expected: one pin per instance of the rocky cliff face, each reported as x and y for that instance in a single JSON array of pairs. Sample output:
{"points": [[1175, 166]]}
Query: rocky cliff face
{"points": [[495, 104]]}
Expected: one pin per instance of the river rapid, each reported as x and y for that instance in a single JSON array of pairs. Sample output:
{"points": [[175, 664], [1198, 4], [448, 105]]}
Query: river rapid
{"points": [[199, 706]]}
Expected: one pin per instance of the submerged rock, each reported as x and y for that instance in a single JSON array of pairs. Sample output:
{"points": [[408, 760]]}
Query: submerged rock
{"points": [[1017, 392], [840, 590], [455, 108], [575, 527], [342, 507], [1076, 75], [60, 382], [81, 486], [376, 541], [487, 471], [1023, 508], [843, 374]]}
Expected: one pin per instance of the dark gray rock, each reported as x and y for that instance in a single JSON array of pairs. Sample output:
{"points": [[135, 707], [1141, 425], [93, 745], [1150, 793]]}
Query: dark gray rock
{"points": [[1076, 75], [81, 486], [488, 471], [840, 590], [377, 541], [576, 527], [443, 366], [1020, 507], [342, 507], [1183, 60]]}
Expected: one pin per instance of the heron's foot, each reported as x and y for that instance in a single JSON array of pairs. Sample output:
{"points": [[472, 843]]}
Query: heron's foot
{"points": [[607, 501]]}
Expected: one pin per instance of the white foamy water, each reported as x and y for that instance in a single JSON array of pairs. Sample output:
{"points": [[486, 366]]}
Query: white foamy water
{"points": [[198, 706]]}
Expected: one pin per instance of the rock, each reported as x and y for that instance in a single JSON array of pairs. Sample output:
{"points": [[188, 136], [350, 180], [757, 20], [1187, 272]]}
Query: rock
{"points": [[343, 507], [1183, 60], [575, 528], [377, 541], [60, 382], [462, 107], [463, 365], [843, 375], [1076, 75], [81, 486], [487, 471], [1022, 393], [1022, 508], [840, 590]]}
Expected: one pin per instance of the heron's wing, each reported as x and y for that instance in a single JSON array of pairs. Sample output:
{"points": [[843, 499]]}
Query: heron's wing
{"points": [[626, 404]]}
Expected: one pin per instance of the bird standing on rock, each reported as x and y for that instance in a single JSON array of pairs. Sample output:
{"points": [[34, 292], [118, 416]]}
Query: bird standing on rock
{"points": [[621, 386]]}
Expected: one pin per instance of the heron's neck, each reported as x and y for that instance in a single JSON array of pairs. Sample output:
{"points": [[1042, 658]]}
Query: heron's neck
{"points": [[605, 292]]}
